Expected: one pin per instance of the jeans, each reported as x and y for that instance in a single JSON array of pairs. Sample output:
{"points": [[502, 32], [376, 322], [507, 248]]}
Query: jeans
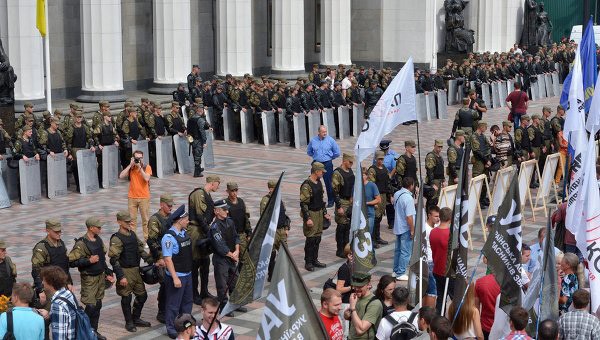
{"points": [[517, 120], [371, 224], [431, 283], [327, 177], [402, 253]]}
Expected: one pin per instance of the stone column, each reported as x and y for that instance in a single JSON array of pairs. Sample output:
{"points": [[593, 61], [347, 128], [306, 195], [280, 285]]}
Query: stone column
{"points": [[234, 37], [335, 32], [172, 44], [26, 53], [288, 38], [101, 51]]}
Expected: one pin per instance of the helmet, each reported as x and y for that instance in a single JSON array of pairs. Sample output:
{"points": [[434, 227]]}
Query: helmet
{"points": [[151, 274]]}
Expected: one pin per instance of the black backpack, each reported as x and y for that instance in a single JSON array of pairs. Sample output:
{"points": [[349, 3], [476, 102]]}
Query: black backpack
{"points": [[9, 335], [403, 330]]}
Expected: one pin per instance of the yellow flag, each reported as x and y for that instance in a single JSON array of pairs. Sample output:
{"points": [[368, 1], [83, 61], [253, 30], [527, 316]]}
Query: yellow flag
{"points": [[40, 21]]}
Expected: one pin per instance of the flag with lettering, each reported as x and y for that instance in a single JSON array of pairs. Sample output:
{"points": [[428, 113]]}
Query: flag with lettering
{"points": [[418, 257], [360, 235], [255, 260], [458, 243], [503, 248], [289, 312], [396, 106], [549, 294]]}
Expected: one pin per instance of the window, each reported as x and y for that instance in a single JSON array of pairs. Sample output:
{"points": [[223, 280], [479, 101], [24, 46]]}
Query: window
{"points": [[317, 26]]}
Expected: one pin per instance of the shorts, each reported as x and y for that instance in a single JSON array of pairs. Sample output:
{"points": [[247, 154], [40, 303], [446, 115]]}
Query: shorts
{"points": [[431, 284]]}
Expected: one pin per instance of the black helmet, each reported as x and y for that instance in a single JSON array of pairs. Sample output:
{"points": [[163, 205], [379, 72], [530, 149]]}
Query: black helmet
{"points": [[151, 274]]}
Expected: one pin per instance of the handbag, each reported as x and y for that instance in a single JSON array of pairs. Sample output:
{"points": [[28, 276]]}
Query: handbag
{"points": [[329, 283]]}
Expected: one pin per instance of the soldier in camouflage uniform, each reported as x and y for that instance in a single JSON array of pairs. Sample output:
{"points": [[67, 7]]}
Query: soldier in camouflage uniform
{"points": [[5, 141], [202, 212], [380, 175], [313, 212], [504, 146], [69, 119], [104, 106], [8, 276], [482, 159], [157, 226], [131, 132], [343, 185], [478, 105], [51, 140], [406, 164], [22, 119], [434, 165], [25, 146], [536, 140], [546, 127], [122, 116], [455, 153], [283, 225], [89, 256], [522, 143], [125, 252], [239, 213], [315, 76], [465, 118], [78, 137], [104, 135], [35, 133]]}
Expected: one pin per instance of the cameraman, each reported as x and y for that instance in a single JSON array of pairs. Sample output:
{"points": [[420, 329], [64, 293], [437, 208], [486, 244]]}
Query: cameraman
{"points": [[139, 189]]}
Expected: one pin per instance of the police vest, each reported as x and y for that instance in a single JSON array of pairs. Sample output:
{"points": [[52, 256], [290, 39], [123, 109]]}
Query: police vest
{"points": [[237, 212], [107, 136], [28, 148], [95, 248], [538, 137], [438, 170], [347, 188], [58, 255], [382, 179], [159, 125], [465, 118], [54, 142], [130, 256], [316, 200], [547, 130], [182, 261], [134, 129], [79, 137], [411, 167]]}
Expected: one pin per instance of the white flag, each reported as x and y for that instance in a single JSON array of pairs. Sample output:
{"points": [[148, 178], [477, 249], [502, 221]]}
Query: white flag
{"points": [[396, 106], [574, 132], [587, 221]]}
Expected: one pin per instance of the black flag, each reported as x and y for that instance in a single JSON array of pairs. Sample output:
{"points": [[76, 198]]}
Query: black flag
{"points": [[503, 248]]}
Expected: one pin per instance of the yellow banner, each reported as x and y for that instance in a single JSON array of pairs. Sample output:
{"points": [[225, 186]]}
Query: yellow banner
{"points": [[40, 21]]}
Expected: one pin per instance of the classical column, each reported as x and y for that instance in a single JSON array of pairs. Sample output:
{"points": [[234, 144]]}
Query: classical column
{"points": [[102, 51], [26, 54], [335, 32], [288, 37], [234, 37], [172, 44]]}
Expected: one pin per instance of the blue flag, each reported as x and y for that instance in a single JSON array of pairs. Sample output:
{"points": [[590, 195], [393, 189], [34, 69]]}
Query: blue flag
{"points": [[587, 47]]}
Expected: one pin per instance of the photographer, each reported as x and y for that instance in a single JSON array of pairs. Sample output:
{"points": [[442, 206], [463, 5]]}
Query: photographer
{"points": [[139, 189]]}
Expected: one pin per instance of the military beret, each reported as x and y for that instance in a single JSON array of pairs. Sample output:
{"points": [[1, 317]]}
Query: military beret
{"points": [[439, 142], [93, 222], [384, 144], [360, 279], [536, 116], [271, 183], [316, 166], [459, 133], [379, 154], [232, 186], [525, 117], [212, 179], [166, 198], [347, 157], [410, 143], [222, 204], [2, 244], [546, 109], [28, 104], [53, 224], [507, 123]]}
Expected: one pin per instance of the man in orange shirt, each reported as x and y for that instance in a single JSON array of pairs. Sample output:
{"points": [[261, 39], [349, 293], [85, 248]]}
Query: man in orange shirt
{"points": [[139, 189]]}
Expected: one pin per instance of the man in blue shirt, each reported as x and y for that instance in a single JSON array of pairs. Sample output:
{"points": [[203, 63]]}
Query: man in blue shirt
{"points": [[404, 226], [323, 149], [537, 251], [27, 323], [177, 254]]}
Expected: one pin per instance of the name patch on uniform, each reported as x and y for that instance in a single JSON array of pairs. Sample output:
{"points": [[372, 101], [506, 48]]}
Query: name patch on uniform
{"points": [[186, 243]]}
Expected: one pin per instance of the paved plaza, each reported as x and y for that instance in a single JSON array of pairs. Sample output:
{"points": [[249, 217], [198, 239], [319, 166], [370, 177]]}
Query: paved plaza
{"points": [[250, 165]]}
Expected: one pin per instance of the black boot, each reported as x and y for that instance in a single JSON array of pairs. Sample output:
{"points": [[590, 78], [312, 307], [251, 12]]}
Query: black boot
{"points": [[161, 298], [308, 254], [316, 243], [94, 322], [138, 304], [126, 308], [339, 240]]}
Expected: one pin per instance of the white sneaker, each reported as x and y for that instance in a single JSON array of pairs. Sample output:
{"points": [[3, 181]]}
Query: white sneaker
{"points": [[402, 278]]}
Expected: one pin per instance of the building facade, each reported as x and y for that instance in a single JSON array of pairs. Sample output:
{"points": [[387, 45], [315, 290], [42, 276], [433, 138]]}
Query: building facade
{"points": [[101, 48]]}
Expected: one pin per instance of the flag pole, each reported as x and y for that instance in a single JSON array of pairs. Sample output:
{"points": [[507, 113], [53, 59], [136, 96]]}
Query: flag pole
{"points": [[467, 289], [47, 62], [443, 311], [420, 212]]}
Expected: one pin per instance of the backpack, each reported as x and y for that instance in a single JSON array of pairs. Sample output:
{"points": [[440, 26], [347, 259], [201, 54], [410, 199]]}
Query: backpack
{"points": [[83, 327], [403, 330], [9, 335]]}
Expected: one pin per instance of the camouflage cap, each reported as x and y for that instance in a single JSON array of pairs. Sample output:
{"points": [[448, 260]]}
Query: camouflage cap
{"points": [[166, 198], [410, 143], [536, 116], [106, 114], [247, 75], [73, 106], [124, 216], [131, 109], [360, 279], [379, 154], [104, 103], [348, 157], [525, 117], [144, 100], [318, 166], [55, 120], [546, 109], [271, 183], [78, 113], [439, 142], [232, 186], [128, 104], [459, 133], [26, 128], [2, 244], [507, 123], [46, 114], [174, 104], [53, 224], [28, 104], [212, 179], [559, 108], [58, 112], [481, 124], [93, 222]]}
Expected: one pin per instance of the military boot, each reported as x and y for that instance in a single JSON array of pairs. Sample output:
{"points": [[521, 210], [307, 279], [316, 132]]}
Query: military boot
{"points": [[138, 304], [126, 308]]}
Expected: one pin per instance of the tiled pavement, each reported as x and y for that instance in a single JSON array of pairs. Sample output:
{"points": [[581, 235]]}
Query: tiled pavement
{"points": [[251, 166]]}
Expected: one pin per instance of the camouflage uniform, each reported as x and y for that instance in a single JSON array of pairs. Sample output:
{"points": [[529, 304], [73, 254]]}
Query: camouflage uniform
{"points": [[312, 206], [343, 185], [434, 165]]}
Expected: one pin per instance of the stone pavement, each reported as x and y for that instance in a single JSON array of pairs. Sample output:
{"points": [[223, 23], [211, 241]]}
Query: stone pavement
{"points": [[251, 166]]}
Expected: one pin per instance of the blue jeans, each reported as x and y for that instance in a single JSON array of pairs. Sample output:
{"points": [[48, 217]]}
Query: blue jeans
{"points": [[517, 120], [402, 253], [431, 285]]}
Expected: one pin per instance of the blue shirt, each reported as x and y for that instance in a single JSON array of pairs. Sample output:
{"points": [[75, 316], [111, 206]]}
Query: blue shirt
{"points": [[404, 205], [390, 159], [537, 251], [62, 316], [27, 324], [323, 150], [170, 247], [371, 192]]}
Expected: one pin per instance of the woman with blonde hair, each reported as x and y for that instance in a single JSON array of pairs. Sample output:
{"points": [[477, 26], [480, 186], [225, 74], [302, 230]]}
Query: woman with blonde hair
{"points": [[467, 324]]}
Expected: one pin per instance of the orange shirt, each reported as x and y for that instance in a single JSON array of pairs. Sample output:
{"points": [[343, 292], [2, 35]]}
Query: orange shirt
{"points": [[138, 187]]}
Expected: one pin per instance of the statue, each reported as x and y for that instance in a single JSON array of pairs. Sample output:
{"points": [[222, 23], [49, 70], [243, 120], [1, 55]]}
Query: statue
{"points": [[458, 39], [544, 27], [528, 36], [7, 79]]}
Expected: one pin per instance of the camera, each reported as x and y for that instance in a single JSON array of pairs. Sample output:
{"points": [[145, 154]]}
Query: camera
{"points": [[136, 160]]}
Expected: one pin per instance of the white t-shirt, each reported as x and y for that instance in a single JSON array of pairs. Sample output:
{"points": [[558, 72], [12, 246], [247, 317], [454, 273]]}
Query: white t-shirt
{"points": [[428, 230], [346, 83], [385, 328]]}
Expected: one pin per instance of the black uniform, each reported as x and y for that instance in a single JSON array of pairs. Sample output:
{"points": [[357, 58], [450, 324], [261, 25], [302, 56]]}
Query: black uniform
{"points": [[292, 105], [224, 239]]}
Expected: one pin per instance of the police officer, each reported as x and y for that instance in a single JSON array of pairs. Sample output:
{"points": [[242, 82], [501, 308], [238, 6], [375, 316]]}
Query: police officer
{"points": [[434, 164], [380, 175], [239, 213], [89, 256], [202, 212], [226, 243], [196, 127], [51, 251], [482, 159], [343, 185], [455, 153], [536, 140], [8, 271], [125, 252], [406, 164], [283, 225], [313, 213], [176, 246], [465, 118], [157, 226]]}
